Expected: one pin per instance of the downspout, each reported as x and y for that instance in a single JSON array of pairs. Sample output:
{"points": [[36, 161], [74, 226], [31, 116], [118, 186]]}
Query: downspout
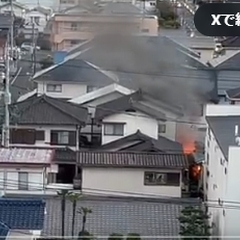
{"points": [[78, 129]]}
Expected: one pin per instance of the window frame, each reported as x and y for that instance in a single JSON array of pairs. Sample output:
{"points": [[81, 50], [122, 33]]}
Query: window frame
{"points": [[61, 137], [23, 185], [162, 126], [54, 88], [114, 130], [167, 179]]}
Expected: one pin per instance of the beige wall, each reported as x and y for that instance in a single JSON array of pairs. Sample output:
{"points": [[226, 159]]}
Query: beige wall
{"points": [[85, 26]]}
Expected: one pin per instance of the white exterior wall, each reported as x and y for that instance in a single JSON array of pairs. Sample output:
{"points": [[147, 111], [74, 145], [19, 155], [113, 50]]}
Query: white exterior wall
{"points": [[124, 182], [47, 129], [69, 90], [42, 22], [135, 121], [37, 178]]}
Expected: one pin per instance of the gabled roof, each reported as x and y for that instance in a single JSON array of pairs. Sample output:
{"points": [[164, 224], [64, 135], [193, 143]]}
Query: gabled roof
{"points": [[44, 110], [101, 92], [126, 104], [16, 4], [133, 160], [233, 94], [139, 142], [22, 214], [74, 70], [223, 128]]}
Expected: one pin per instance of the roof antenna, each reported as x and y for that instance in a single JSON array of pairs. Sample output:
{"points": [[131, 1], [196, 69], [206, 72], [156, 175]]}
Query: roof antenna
{"points": [[237, 138]]}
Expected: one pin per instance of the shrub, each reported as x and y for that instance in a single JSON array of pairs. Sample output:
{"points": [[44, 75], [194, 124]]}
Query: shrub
{"points": [[115, 236], [85, 235], [133, 236]]}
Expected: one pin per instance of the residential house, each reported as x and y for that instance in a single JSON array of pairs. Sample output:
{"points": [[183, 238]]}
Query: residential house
{"points": [[70, 78], [221, 168], [18, 9], [21, 218], [39, 17], [60, 5], [45, 122], [26, 170], [126, 115], [133, 174], [5, 24], [69, 29]]}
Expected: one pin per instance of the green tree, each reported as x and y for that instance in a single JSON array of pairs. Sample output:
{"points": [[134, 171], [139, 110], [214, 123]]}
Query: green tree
{"points": [[74, 198], [194, 222], [115, 236], [84, 212], [133, 236], [63, 195]]}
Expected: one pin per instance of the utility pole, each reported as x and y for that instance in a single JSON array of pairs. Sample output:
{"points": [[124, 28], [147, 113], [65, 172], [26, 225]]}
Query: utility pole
{"points": [[7, 97], [33, 48], [12, 27]]}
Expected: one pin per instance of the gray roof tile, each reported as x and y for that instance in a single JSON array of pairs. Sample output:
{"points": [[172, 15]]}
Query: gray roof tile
{"points": [[49, 111], [233, 93], [120, 216], [223, 128], [133, 160], [139, 142]]}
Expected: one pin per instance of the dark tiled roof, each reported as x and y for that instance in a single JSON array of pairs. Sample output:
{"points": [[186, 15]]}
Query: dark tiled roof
{"points": [[231, 42], [22, 214], [233, 93], [109, 215], [223, 128], [155, 65], [4, 230], [125, 103], [232, 63], [75, 70], [139, 142], [134, 160], [46, 110], [65, 155]]}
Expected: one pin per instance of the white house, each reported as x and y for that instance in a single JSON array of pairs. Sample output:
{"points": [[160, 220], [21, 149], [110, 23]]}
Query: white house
{"points": [[70, 77], [25, 170], [18, 9], [39, 17], [221, 179], [126, 115], [132, 174]]}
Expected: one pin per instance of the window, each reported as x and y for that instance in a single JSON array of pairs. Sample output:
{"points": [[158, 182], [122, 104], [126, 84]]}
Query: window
{"points": [[91, 89], [74, 26], [63, 138], [115, 129], [22, 136], [37, 20], [74, 42], [162, 128], [158, 178], [145, 30], [54, 88], [22, 181]]}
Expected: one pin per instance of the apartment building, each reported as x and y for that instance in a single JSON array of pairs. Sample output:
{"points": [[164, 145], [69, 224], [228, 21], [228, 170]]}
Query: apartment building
{"points": [[71, 28]]}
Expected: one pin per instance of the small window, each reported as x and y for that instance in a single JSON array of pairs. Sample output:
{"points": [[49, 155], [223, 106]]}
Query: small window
{"points": [[40, 135], [145, 30], [162, 128], [23, 181], [63, 137], [74, 26], [115, 129], [158, 178], [54, 88]]}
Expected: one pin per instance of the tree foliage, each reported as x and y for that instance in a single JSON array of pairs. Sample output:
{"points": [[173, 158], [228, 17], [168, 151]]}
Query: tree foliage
{"points": [[133, 236], [194, 223], [115, 236]]}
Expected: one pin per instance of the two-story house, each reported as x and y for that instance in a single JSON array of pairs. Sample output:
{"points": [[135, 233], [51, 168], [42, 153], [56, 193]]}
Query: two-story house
{"points": [[70, 78], [221, 169], [44, 122]]}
